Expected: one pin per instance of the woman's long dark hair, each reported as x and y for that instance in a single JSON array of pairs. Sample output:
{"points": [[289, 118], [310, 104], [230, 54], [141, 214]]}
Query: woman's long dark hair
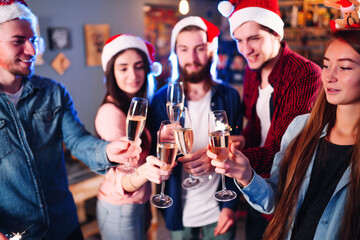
{"points": [[298, 157], [118, 96]]}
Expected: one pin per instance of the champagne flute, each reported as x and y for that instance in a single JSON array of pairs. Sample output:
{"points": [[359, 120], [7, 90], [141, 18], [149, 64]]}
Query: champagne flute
{"points": [[184, 136], [175, 100], [166, 152], [135, 123], [219, 143]]}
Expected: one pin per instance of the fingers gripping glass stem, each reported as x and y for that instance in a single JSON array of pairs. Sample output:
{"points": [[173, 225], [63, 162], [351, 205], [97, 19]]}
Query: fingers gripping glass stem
{"points": [[166, 152], [135, 124], [219, 135], [184, 136]]}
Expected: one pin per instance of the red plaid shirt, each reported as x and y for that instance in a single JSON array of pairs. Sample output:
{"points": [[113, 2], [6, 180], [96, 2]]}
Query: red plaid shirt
{"points": [[296, 82]]}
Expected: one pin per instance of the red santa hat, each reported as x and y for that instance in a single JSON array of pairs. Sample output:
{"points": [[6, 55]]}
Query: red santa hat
{"points": [[211, 30], [346, 5], [122, 42], [264, 12], [15, 9]]}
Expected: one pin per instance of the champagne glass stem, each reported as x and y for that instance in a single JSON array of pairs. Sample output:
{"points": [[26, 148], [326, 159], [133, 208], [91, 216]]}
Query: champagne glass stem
{"points": [[191, 177], [223, 182], [162, 188], [128, 163]]}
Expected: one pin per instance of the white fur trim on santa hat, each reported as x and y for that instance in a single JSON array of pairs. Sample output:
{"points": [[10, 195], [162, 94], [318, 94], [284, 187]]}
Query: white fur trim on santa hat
{"points": [[347, 9], [262, 16], [14, 11], [124, 42], [188, 21]]}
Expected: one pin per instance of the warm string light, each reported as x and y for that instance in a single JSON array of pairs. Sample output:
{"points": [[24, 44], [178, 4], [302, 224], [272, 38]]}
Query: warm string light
{"points": [[183, 7]]}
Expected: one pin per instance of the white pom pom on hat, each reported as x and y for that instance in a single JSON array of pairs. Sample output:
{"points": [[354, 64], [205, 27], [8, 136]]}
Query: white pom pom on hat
{"points": [[122, 42], [225, 8], [156, 68], [264, 12]]}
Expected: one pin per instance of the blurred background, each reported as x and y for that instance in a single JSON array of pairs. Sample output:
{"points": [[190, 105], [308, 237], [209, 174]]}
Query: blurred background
{"points": [[75, 32]]}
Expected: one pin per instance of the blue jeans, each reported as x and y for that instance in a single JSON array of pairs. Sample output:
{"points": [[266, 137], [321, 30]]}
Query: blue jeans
{"points": [[121, 222], [204, 233]]}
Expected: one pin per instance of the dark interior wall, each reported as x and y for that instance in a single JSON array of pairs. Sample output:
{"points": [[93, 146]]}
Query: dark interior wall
{"points": [[84, 83]]}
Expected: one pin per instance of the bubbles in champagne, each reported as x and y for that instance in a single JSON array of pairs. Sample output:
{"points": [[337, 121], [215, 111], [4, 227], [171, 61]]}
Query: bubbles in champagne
{"points": [[135, 126], [219, 143], [174, 111], [185, 139], [167, 153]]}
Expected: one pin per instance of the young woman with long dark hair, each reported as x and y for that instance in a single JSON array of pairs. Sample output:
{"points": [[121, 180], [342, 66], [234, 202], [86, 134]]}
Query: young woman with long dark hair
{"points": [[314, 188], [129, 65]]}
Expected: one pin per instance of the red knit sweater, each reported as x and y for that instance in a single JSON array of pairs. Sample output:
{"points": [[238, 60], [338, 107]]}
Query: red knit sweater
{"points": [[296, 82]]}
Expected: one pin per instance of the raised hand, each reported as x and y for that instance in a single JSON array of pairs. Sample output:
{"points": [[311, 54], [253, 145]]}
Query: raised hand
{"points": [[154, 170], [236, 166], [197, 163], [238, 140], [121, 150]]}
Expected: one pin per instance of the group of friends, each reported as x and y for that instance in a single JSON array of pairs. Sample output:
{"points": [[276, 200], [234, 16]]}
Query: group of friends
{"points": [[296, 161]]}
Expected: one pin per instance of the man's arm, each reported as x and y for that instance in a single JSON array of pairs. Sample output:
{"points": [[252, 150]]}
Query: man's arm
{"points": [[95, 153]]}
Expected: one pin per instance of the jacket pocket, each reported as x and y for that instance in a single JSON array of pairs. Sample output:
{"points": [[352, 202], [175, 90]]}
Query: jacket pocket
{"points": [[5, 146], [48, 125]]}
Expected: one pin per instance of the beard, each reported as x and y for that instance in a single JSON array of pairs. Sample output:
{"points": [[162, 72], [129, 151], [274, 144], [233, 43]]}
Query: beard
{"points": [[196, 77], [16, 69], [27, 72]]}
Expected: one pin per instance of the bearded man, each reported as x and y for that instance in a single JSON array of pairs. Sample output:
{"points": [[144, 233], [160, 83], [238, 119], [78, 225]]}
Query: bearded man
{"points": [[194, 43]]}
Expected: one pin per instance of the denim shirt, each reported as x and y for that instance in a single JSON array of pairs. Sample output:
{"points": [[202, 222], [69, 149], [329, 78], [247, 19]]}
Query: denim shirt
{"points": [[34, 187], [261, 193], [223, 97]]}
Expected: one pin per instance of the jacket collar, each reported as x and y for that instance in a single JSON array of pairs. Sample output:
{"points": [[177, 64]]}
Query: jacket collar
{"points": [[31, 84]]}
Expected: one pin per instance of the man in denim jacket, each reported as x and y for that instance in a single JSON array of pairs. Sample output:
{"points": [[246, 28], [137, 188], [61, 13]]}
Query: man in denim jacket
{"points": [[36, 116]]}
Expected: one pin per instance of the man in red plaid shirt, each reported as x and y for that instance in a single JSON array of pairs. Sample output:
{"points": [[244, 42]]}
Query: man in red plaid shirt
{"points": [[278, 85]]}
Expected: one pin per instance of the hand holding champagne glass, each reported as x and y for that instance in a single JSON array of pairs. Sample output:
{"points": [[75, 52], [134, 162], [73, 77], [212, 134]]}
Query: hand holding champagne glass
{"points": [[219, 143], [175, 100], [166, 152], [184, 136], [135, 124]]}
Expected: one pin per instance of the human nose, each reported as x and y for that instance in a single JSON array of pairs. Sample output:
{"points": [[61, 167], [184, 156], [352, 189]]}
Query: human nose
{"points": [[194, 56], [30, 48], [329, 75], [247, 48], [132, 73]]}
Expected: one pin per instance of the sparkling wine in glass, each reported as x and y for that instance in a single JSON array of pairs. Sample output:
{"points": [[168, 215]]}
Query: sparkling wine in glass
{"points": [[184, 136], [175, 100], [219, 135], [166, 152], [135, 124]]}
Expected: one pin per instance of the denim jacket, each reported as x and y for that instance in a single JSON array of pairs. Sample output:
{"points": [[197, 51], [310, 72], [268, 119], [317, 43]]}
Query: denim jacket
{"points": [[223, 97], [261, 193], [34, 187]]}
